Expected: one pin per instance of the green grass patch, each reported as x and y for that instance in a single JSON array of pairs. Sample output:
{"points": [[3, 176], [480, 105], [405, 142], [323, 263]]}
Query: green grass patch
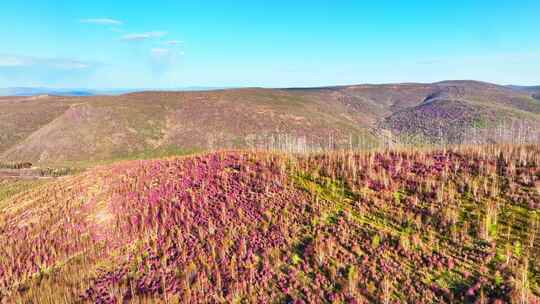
{"points": [[10, 188]]}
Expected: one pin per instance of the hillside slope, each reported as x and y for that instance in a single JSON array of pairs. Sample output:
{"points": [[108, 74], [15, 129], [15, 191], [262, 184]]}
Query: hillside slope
{"points": [[21, 116], [469, 112], [446, 226], [534, 90], [105, 127], [50, 129]]}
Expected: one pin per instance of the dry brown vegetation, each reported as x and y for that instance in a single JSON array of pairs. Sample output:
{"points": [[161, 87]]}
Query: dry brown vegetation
{"points": [[64, 129]]}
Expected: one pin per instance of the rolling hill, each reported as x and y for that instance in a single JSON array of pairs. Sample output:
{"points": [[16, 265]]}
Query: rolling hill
{"points": [[432, 225], [56, 129], [458, 225]]}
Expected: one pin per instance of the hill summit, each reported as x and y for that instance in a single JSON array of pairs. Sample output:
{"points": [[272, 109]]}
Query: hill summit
{"points": [[438, 226]]}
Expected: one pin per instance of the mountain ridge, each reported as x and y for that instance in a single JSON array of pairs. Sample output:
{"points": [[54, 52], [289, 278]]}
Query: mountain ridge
{"points": [[33, 91], [74, 128]]}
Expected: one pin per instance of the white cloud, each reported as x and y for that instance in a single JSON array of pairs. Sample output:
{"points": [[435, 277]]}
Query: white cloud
{"points": [[174, 42], [162, 60], [143, 36], [21, 70], [101, 21], [12, 61], [62, 64], [159, 51], [17, 61]]}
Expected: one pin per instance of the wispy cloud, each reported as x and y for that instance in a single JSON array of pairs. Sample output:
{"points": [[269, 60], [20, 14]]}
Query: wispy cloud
{"points": [[159, 51], [21, 70], [161, 54], [143, 36], [174, 42], [164, 60], [12, 61], [18, 61], [102, 21]]}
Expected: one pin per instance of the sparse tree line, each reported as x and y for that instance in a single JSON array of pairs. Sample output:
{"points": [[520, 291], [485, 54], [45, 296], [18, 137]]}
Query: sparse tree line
{"points": [[507, 132], [27, 169], [15, 165], [290, 143]]}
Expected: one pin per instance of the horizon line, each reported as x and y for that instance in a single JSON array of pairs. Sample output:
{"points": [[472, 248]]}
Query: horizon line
{"points": [[218, 87]]}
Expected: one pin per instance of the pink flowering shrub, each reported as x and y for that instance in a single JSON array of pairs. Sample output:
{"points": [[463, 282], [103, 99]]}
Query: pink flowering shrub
{"points": [[446, 226]]}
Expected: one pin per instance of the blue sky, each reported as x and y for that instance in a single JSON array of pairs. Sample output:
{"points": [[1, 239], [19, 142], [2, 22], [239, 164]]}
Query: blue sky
{"points": [[172, 44]]}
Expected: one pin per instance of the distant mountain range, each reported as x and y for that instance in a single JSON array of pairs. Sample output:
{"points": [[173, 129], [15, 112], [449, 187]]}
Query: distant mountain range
{"points": [[36, 91], [24, 91]]}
